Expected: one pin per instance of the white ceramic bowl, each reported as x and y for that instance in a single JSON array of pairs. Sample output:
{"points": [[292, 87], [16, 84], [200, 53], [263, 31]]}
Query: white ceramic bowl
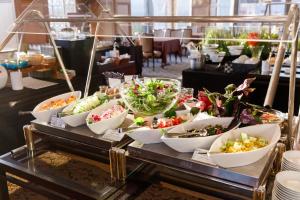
{"points": [[3, 77], [112, 123], [217, 57], [75, 119], [235, 47], [270, 132], [44, 116], [190, 144], [147, 135]]}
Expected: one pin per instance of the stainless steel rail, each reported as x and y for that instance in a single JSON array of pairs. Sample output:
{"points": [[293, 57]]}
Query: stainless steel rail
{"points": [[172, 19]]}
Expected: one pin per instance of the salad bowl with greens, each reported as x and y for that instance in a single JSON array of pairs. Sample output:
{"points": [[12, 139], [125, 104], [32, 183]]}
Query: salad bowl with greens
{"points": [[150, 96]]}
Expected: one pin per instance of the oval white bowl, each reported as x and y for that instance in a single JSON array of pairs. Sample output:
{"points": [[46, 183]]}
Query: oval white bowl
{"points": [[76, 119], [112, 123], [44, 116], [235, 47], [185, 145], [270, 132], [147, 135]]}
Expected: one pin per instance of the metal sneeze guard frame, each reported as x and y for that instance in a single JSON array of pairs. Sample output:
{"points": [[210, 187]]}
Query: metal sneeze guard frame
{"points": [[290, 21]]}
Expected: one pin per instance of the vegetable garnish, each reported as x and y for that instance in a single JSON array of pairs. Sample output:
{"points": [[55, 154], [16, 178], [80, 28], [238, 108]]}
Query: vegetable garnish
{"points": [[139, 121]]}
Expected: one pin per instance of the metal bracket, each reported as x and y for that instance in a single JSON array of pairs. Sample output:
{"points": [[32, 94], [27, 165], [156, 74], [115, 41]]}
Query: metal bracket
{"points": [[277, 163], [27, 129], [117, 159], [260, 193]]}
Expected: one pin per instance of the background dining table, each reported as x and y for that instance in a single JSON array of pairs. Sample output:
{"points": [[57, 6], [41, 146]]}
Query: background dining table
{"points": [[166, 47]]}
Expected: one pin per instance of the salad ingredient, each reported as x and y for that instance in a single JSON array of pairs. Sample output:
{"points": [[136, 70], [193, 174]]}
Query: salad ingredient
{"points": [[227, 104], [243, 144], [204, 132], [168, 122], [139, 121], [57, 103], [87, 104], [163, 122], [150, 97], [259, 115], [171, 113], [109, 113], [194, 110]]}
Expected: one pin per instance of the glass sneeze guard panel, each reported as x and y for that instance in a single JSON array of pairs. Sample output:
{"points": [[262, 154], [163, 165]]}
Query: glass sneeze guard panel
{"points": [[80, 20]]}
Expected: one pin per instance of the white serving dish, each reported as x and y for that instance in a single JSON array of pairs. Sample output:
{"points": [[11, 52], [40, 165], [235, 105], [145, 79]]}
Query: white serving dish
{"points": [[104, 125], [147, 135], [75, 119], [217, 57], [3, 77], [44, 116], [190, 144], [270, 132], [235, 50]]}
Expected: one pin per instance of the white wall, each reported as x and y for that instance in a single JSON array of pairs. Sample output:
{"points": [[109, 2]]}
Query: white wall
{"points": [[7, 17]]}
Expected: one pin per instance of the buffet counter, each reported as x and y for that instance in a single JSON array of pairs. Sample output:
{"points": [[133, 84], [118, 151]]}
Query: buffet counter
{"points": [[16, 107], [215, 80]]}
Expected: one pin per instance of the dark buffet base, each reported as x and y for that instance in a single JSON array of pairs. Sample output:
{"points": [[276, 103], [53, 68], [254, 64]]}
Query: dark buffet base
{"points": [[14, 103], [249, 176], [93, 175], [216, 80], [60, 174], [80, 134], [240, 181]]}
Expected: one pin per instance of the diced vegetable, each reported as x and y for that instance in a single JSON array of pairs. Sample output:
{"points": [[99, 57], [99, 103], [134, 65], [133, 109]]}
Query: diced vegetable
{"points": [[244, 144]]}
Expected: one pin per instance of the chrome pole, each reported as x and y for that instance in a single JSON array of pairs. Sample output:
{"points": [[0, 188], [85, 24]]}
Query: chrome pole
{"points": [[279, 58], [91, 64], [172, 19], [60, 60], [292, 84]]}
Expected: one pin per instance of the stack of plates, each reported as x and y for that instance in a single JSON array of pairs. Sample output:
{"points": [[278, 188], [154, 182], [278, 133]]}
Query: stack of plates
{"points": [[291, 161], [286, 186]]}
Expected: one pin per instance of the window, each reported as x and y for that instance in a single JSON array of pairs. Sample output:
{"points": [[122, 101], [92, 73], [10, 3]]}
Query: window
{"points": [[162, 8], [183, 8], [255, 7], [60, 9], [222, 8]]}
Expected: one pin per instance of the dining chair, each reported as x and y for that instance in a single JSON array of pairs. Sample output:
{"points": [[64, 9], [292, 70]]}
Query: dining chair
{"points": [[148, 50], [167, 33], [177, 34], [158, 33], [187, 33]]}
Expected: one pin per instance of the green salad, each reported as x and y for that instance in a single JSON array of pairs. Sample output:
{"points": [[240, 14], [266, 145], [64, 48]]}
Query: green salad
{"points": [[87, 104], [151, 97]]}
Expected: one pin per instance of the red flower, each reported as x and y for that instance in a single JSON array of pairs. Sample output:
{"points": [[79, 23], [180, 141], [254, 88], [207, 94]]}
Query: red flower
{"points": [[204, 101], [253, 36]]}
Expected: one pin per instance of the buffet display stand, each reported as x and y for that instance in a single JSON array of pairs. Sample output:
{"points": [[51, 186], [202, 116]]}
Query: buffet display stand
{"points": [[248, 182]]}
